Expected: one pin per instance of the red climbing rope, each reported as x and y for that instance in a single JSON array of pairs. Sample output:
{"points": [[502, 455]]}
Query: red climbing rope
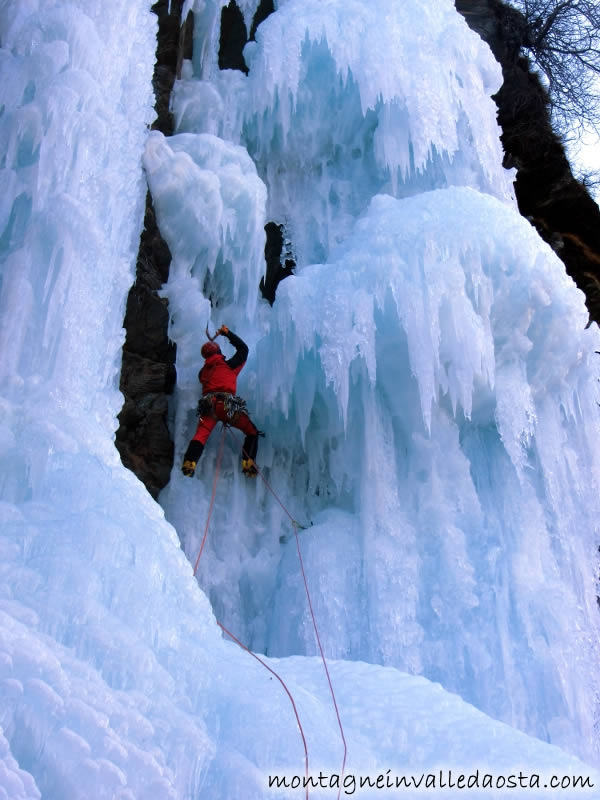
{"points": [[212, 499], [235, 639], [314, 621], [312, 613], [270, 488], [287, 691]]}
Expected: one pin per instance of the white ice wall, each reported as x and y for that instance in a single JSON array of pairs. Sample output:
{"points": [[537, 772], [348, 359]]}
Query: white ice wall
{"points": [[427, 384], [114, 678], [74, 123]]}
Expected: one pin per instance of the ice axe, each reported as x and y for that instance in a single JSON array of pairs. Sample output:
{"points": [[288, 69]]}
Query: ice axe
{"points": [[223, 331], [212, 338]]}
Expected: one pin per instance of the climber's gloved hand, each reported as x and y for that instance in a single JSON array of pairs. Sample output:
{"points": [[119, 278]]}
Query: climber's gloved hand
{"points": [[223, 331], [188, 468]]}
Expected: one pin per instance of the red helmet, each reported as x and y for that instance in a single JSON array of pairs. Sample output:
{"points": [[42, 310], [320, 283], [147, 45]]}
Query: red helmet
{"points": [[209, 349]]}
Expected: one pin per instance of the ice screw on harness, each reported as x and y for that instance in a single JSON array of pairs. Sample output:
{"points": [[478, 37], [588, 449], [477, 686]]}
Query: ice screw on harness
{"points": [[232, 404]]}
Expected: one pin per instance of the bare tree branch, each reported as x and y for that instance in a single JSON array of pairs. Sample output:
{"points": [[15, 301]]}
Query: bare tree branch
{"points": [[562, 37]]}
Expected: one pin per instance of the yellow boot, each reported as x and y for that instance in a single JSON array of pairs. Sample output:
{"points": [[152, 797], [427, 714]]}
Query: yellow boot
{"points": [[188, 468], [248, 468]]}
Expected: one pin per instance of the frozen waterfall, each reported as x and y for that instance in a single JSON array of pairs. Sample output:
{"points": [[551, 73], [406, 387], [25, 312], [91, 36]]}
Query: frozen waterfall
{"points": [[425, 380]]}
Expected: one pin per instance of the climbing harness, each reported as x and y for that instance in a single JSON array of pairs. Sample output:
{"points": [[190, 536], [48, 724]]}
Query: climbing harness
{"points": [[296, 526], [231, 403]]}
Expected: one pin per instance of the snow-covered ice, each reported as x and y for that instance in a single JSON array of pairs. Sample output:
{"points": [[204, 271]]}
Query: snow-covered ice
{"points": [[426, 382]]}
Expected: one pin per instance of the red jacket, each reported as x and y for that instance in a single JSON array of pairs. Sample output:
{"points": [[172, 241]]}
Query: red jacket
{"points": [[219, 375]]}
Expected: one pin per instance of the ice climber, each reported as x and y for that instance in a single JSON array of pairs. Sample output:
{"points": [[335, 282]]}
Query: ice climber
{"points": [[220, 403]]}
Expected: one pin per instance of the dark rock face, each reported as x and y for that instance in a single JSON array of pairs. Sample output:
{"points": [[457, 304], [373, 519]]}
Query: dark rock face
{"points": [[265, 7], [234, 35], [168, 47], [148, 369], [276, 270], [233, 38], [547, 193], [186, 41]]}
